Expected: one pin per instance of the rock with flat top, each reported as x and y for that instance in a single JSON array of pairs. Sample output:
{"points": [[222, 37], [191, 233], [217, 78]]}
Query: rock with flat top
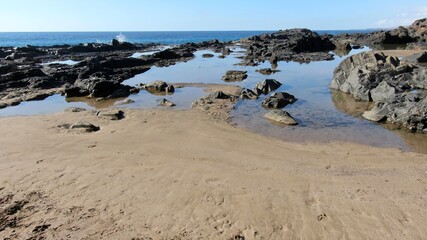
{"points": [[281, 117]]}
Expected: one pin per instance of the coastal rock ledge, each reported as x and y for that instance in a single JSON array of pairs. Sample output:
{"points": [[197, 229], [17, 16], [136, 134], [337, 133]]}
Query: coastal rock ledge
{"points": [[398, 89]]}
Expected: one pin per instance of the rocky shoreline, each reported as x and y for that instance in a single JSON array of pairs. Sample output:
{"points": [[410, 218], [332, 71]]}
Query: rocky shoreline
{"points": [[398, 88]]}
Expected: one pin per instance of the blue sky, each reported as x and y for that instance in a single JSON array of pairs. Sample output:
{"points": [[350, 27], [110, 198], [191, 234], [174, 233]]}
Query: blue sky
{"points": [[188, 15]]}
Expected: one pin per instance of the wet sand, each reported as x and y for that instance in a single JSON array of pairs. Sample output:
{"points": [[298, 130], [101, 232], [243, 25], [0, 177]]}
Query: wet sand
{"points": [[163, 174]]}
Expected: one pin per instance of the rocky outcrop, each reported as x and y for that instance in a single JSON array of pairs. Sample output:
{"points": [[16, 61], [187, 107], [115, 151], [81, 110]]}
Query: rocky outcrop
{"points": [[399, 90], [415, 33], [301, 45], [99, 73], [235, 76], [281, 117]]}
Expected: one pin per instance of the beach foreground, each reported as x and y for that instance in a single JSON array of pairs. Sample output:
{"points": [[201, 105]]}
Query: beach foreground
{"points": [[163, 174]]}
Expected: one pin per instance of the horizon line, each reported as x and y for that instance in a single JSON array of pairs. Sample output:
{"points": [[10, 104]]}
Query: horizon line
{"points": [[122, 31]]}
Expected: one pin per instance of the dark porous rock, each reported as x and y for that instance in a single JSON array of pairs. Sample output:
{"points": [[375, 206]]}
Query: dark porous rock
{"points": [[115, 42], [159, 86], [278, 100], [301, 45], [85, 127], [398, 89], [235, 76], [75, 109], [267, 86], [112, 114], [166, 103], [281, 117], [208, 55], [248, 94], [267, 71]]}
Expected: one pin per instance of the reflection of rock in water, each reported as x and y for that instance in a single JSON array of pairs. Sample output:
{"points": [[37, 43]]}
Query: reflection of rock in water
{"points": [[347, 104], [342, 52], [93, 102]]}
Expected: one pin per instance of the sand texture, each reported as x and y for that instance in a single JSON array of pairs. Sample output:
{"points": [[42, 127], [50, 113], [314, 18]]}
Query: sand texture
{"points": [[165, 174]]}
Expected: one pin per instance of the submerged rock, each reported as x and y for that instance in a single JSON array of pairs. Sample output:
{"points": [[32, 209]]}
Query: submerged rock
{"points": [[208, 55], [75, 109], [280, 116], [166, 103], [267, 71]]}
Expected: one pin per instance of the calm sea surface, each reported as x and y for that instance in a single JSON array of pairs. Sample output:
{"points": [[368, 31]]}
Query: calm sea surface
{"points": [[18, 39]]}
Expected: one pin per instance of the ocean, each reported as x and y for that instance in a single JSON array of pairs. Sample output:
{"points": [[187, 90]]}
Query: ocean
{"points": [[19, 39]]}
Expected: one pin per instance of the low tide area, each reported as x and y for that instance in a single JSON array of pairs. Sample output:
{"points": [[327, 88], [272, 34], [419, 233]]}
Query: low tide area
{"points": [[323, 115]]}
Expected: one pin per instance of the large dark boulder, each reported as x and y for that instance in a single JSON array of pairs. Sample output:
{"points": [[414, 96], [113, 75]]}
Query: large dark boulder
{"points": [[278, 100]]}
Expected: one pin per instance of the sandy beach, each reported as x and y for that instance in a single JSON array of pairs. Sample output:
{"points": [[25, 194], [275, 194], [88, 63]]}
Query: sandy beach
{"points": [[167, 174]]}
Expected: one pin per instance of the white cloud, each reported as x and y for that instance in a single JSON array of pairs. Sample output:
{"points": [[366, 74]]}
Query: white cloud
{"points": [[402, 19], [422, 12]]}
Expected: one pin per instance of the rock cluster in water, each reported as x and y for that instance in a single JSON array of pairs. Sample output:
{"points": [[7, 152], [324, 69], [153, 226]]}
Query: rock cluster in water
{"points": [[300, 45], [415, 35], [398, 89]]}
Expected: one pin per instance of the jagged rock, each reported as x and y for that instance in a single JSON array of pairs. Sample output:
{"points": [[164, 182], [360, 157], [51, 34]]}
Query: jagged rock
{"points": [[267, 86], [301, 45], [235, 76], [281, 117], [166, 103], [278, 100], [248, 94], [362, 72], [398, 90], [112, 114], [382, 92]]}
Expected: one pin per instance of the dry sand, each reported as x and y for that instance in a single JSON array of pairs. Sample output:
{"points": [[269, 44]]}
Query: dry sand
{"points": [[165, 174]]}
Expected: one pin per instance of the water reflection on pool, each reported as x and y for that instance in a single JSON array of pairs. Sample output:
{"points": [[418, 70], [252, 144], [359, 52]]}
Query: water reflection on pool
{"points": [[323, 115]]}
